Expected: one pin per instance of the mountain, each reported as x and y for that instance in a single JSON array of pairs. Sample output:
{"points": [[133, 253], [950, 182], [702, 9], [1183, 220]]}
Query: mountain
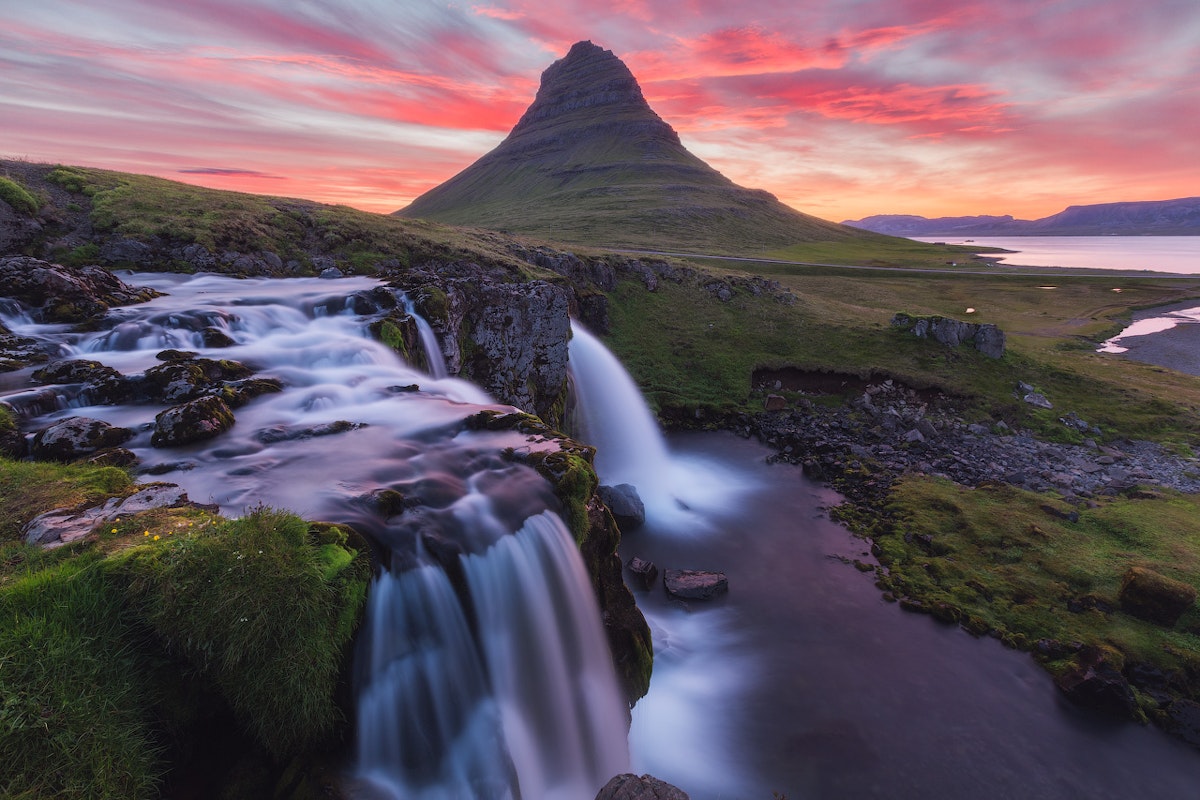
{"points": [[591, 163], [1151, 217]]}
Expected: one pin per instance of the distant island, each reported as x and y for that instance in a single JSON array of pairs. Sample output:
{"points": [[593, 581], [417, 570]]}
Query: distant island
{"points": [[1179, 217]]}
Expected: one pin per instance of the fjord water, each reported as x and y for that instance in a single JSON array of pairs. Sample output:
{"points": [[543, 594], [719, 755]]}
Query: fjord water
{"points": [[499, 686], [1174, 254], [804, 682]]}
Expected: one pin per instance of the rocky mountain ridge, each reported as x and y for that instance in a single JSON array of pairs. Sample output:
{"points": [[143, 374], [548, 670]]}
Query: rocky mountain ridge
{"points": [[1179, 217]]}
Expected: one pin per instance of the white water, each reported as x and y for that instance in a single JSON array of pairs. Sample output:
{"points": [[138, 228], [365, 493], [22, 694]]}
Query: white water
{"points": [[429, 342], [612, 415], [499, 686]]}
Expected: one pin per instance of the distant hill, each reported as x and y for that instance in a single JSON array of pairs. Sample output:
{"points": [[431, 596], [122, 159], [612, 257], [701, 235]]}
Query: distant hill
{"points": [[1152, 217], [591, 163]]}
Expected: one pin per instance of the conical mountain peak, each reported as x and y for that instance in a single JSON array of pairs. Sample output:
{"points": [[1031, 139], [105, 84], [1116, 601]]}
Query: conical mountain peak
{"points": [[590, 163]]}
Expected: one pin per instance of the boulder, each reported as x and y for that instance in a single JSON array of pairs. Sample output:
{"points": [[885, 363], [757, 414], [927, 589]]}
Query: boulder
{"points": [[625, 504], [1037, 400], [194, 421], [174, 381], [986, 338], [1155, 598], [66, 294], [631, 787], [76, 437], [775, 402], [688, 584], [645, 572], [1184, 721], [101, 384], [1095, 682]]}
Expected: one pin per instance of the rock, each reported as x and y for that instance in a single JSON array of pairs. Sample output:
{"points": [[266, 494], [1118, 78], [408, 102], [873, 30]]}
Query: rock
{"points": [[926, 428], [1184, 716], [631, 787], [625, 504], [191, 422], [986, 338], [1155, 598], [332, 273], [66, 294], [1038, 400], [61, 526], [214, 337], [76, 437], [1093, 681], [914, 436], [775, 402], [687, 584], [162, 495], [101, 384], [644, 571], [174, 381]]}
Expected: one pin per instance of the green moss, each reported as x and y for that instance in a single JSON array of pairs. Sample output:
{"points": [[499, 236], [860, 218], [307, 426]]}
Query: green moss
{"points": [[83, 255], [259, 608], [996, 556], [29, 488], [21, 199]]}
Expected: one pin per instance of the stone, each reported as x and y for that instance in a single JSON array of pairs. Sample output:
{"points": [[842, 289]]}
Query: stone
{"points": [[688, 584], [646, 787], [646, 572], [775, 402], [1184, 716], [1038, 400], [625, 504], [1148, 595], [75, 437], [986, 338], [914, 436], [66, 294], [332, 273], [193, 421], [1093, 681]]}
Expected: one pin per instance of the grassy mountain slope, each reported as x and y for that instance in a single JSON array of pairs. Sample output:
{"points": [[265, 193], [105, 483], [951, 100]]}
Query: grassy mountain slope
{"points": [[591, 163]]}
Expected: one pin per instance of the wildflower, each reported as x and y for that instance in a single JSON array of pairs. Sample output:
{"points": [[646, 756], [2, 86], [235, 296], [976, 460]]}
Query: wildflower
{"points": [[145, 533], [157, 537], [114, 530]]}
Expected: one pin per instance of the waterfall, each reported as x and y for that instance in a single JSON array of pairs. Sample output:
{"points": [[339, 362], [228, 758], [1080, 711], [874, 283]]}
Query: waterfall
{"points": [[612, 415], [480, 675], [433, 349], [529, 707]]}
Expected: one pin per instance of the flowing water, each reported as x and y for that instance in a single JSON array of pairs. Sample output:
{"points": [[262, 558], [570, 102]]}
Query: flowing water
{"points": [[483, 672], [802, 681]]}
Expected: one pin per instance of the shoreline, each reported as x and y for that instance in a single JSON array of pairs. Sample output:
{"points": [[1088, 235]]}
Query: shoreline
{"points": [[1176, 348]]}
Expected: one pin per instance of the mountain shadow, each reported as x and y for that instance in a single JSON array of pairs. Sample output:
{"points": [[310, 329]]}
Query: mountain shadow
{"points": [[591, 163]]}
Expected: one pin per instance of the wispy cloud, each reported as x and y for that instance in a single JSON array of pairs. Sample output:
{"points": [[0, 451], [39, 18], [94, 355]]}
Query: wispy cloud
{"points": [[842, 109]]}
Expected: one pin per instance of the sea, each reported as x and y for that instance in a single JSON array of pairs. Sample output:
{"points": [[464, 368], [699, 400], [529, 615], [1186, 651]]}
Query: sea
{"points": [[1175, 254]]}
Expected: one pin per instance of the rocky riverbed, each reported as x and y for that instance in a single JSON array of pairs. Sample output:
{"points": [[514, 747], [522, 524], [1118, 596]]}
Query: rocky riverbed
{"points": [[891, 430]]}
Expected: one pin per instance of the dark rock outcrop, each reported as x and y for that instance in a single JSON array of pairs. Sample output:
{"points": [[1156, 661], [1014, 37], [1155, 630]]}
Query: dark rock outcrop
{"points": [[644, 572], [986, 338], [625, 504], [1095, 681], [646, 787], [76, 437], [1155, 598], [66, 294], [194, 421]]}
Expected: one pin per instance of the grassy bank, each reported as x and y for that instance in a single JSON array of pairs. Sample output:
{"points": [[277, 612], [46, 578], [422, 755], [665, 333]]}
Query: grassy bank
{"points": [[130, 653]]}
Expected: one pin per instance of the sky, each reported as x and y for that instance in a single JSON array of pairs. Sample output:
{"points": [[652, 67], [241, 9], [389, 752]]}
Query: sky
{"points": [[841, 108]]}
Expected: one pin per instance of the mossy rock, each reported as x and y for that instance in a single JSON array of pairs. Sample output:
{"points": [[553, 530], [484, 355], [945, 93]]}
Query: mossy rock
{"points": [[1154, 597], [194, 421]]}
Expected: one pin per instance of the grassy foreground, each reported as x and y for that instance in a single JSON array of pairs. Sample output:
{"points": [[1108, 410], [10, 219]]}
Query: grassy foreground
{"points": [[123, 655]]}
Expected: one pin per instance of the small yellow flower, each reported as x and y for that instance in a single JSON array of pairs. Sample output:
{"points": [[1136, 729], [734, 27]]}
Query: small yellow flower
{"points": [[157, 537], [114, 530], [145, 533]]}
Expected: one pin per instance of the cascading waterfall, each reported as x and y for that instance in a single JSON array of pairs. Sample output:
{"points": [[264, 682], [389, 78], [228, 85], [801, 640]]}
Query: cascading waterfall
{"points": [[613, 416], [481, 675], [429, 342]]}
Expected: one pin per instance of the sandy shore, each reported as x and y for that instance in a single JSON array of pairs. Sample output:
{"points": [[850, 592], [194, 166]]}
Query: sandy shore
{"points": [[1177, 348]]}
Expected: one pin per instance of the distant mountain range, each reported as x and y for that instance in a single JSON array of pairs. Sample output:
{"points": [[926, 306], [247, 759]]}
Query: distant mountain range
{"points": [[1152, 217], [591, 163]]}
